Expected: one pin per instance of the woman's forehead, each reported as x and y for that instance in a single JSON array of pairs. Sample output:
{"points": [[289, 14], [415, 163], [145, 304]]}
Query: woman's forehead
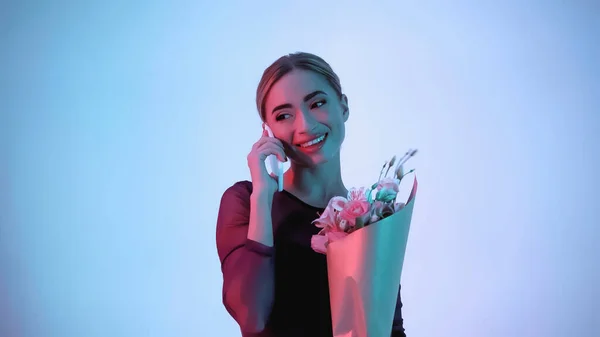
{"points": [[296, 85]]}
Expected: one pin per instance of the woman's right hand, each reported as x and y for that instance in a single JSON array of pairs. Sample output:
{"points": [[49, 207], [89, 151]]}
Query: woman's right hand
{"points": [[262, 181]]}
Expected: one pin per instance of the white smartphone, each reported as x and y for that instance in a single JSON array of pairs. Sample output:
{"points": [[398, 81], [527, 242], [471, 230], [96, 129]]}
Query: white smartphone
{"points": [[274, 164]]}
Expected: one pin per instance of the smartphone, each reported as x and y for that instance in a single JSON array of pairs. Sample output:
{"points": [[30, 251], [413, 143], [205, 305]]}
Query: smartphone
{"points": [[274, 164]]}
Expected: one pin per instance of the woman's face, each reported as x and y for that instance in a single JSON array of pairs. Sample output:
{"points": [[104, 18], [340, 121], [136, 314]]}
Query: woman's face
{"points": [[306, 114]]}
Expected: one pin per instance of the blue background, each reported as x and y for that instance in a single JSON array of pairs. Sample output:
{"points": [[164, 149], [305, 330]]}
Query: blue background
{"points": [[122, 123]]}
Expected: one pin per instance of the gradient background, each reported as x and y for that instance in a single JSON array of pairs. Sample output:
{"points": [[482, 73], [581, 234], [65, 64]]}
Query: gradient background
{"points": [[122, 123]]}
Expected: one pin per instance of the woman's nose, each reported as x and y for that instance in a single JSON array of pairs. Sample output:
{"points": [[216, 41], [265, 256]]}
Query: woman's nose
{"points": [[305, 122]]}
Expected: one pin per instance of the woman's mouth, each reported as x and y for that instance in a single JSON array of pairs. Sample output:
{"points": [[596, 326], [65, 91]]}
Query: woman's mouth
{"points": [[314, 143]]}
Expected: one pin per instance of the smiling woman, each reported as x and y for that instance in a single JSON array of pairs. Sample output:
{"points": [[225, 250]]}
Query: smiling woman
{"points": [[274, 283]]}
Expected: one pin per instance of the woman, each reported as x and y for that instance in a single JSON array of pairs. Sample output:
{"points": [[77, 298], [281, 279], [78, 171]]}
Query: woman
{"points": [[274, 284]]}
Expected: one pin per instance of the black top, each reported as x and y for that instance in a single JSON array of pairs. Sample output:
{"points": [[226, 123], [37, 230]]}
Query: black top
{"points": [[281, 290]]}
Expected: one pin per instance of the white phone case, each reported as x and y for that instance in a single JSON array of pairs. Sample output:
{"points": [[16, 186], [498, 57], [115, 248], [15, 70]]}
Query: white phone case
{"points": [[276, 166]]}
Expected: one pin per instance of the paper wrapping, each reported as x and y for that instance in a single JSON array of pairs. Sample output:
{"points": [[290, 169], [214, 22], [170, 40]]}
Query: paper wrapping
{"points": [[364, 270]]}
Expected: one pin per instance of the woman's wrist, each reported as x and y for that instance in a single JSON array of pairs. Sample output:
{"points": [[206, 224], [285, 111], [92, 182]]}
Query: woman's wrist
{"points": [[261, 197], [260, 228]]}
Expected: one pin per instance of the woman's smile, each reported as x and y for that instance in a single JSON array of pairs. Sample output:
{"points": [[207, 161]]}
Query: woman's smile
{"points": [[313, 145]]}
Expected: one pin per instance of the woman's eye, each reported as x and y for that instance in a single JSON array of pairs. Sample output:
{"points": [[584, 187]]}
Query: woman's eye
{"points": [[282, 117], [318, 104]]}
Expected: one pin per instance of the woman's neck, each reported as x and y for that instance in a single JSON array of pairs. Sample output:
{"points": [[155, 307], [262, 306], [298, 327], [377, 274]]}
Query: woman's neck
{"points": [[316, 185]]}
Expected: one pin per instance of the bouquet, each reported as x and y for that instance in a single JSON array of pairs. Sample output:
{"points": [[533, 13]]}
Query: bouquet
{"points": [[364, 237]]}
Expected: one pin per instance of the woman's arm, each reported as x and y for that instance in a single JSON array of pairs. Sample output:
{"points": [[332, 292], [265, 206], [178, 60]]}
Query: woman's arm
{"points": [[246, 257], [398, 324]]}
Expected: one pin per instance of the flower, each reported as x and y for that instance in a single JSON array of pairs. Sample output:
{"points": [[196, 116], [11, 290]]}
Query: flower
{"points": [[389, 183], [343, 224], [330, 216], [399, 172], [338, 203], [319, 243], [344, 215], [356, 209], [382, 209], [386, 195], [358, 194], [327, 219], [387, 189], [374, 218], [393, 161]]}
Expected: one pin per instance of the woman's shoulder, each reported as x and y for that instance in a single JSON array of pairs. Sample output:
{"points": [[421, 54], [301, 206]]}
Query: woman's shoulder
{"points": [[240, 186], [234, 206], [239, 190]]}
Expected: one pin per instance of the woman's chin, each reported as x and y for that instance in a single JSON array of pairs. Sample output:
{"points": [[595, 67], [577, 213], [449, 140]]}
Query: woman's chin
{"points": [[313, 160]]}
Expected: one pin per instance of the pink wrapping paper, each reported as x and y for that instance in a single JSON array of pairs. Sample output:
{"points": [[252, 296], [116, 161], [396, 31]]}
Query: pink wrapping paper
{"points": [[364, 270]]}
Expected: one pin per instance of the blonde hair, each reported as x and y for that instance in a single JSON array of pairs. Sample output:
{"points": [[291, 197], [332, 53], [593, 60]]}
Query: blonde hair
{"points": [[286, 64]]}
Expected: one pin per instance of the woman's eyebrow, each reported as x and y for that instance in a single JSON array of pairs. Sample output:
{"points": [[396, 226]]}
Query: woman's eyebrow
{"points": [[313, 94]]}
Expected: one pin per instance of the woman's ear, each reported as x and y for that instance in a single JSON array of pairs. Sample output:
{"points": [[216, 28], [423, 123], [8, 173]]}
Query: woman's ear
{"points": [[345, 109]]}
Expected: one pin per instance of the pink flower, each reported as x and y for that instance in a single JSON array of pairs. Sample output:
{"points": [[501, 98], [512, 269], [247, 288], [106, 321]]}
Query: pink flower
{"points": [[389, 183], [356, 209], [330, 218], [337, 203], [319, 243], [358, 194], [359, 208], [327, 219], [398, 206], [382, 209], [343, 224], [387, 189]]}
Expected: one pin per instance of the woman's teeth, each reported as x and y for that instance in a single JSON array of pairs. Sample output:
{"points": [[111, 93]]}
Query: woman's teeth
{"points": [[313, 142]]}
